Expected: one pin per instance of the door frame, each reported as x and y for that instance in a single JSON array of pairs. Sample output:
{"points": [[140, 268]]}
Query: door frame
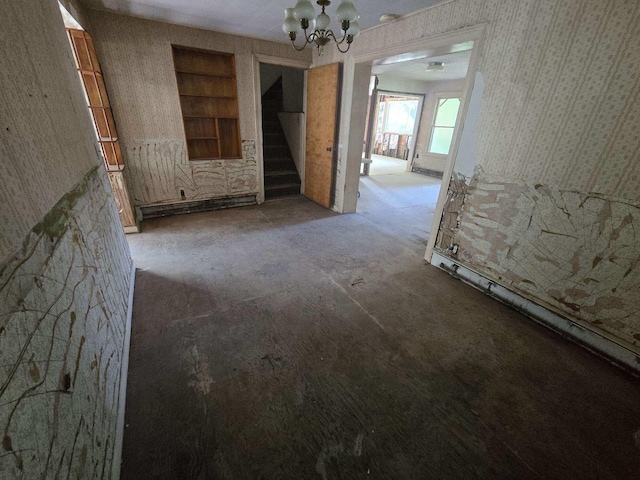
{"points": [[416, 126], [476, 34], [284, 62]]}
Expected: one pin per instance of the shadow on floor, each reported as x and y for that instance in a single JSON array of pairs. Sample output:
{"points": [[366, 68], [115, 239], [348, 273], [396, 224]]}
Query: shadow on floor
{"points": [[286, 342]]}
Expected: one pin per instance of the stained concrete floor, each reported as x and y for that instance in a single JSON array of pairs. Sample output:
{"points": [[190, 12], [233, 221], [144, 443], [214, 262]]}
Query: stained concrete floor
{"points": [[284, 341]]}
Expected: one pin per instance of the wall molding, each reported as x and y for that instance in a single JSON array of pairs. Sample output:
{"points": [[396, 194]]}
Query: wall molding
{"points": [[427, 171], [116, 464], [164, 209], [596, 342]]}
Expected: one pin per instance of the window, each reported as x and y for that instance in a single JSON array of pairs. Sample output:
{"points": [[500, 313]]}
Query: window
{"points": [[443, 125], [401, 117]]}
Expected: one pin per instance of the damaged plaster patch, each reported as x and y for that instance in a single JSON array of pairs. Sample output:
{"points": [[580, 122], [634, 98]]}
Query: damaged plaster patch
{"points": [[158, 171], [576, 253], [453, 207]]}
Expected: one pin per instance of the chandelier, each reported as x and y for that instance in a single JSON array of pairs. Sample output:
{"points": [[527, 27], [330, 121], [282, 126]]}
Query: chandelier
{"points": [[303, 15]]}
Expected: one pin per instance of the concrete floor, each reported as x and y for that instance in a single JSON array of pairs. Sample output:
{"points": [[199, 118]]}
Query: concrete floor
{"points": [[383, 165], [284, 341]]}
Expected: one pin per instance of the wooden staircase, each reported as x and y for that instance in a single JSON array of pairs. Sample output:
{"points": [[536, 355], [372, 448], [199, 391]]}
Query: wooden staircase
{"points": [[280, 175]]}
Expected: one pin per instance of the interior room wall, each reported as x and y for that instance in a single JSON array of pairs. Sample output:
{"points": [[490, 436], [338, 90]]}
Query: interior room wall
{"points": [[65, 266], [401, 84], [136, 58], [551, 208]]}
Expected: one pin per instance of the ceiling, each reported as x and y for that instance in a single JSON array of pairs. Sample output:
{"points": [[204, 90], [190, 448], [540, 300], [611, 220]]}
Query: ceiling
{"points": [[251, 18], [413, 67]]}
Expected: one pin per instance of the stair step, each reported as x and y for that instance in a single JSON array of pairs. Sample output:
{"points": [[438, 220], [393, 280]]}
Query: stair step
{"points": [[269, 139], [278, 173], [281, 191], [275, 181], [276, 153], [277, 164], [283, 185], [271, 127]]}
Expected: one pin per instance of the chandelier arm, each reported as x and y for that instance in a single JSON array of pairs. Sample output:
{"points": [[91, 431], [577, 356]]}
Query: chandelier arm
{"points": [[332, 35], [302, 47], [311, 37], [345, 50], [308, 39]]}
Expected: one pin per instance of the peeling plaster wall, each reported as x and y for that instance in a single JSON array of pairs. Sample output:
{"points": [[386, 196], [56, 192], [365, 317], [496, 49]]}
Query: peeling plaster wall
{"points": [[159, 170], [556, 143], [64, 262], [577, 253], [136, 58]]}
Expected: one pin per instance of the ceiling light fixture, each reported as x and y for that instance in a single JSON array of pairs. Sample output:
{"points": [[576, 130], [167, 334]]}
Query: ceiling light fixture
{"points": [[303, 15], [435, 67], [388, 17]]}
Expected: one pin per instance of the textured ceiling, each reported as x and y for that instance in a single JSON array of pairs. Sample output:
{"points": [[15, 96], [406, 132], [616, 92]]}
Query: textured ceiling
{"points": [[251, 18], [455, 67]]}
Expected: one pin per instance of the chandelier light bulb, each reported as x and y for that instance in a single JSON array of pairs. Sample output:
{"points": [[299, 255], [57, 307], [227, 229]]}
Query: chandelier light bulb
{"points": [[354, 28], [322, 22], [346, 11], [304, 10], [290, 23]]}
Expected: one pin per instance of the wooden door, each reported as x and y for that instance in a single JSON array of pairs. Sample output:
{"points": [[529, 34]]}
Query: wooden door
{"points": [[97, 99], [323, 96]]}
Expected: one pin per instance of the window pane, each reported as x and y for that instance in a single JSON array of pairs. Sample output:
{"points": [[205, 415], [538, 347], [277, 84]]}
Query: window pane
{"points": [[447, 112], [401, 117], [441, 140]]}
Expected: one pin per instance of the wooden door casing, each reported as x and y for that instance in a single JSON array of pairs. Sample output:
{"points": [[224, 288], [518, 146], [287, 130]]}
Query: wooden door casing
{"points": [[97, 99], [323, 95]]}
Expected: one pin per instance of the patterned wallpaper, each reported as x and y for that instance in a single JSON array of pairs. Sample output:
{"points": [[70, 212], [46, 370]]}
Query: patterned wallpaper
{"points": [[557, 148], [63, 311], [562, 83], [136, 58], [64, 262], [33, 181]]}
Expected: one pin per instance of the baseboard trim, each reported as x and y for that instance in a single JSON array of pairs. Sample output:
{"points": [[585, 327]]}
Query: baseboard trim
{"points": [[426, 171], [594, 341], [124, 370], [180, 208]]}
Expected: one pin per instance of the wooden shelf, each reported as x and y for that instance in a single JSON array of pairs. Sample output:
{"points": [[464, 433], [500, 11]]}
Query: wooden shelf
{"points": [[202, 159], [206, 116], [206, 96], [205, 74], [209, 102]]}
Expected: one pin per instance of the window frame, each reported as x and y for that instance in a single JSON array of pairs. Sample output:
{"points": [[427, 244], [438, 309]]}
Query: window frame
{"points": [[387, 110], [443, 96]]}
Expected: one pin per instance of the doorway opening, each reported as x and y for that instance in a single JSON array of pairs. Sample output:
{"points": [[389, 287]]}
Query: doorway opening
{"points": [[413, 118], [395, 119], [282, 91]]}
